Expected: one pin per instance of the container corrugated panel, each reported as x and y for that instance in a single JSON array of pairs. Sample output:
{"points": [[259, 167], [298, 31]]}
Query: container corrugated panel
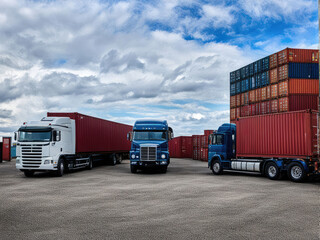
{"points": [[238, 112], [245, 111], [258, 94], [283, 104], [258, 80], [238, 75], [268, 92], [284, 135], [283, 72], [208, 132], [298, 55], [273, 61], [251, 69], [252, 96], [175, 147], [265, 78], [204, 154], [233, 101], [252, 82], [274, 106], [247, 71], [196, 140], [252, 109], [238, 87], [265, 107], [232, 77], [303, 70], [273, 75], [283, 88], [243, 73], [244, 98], [95, 135], [257, 108], [265, 64], [274, 91], [232, 114], [186, 147], [263, 93], [303, 86], [238, 100], [232, 89], [302, 102]]}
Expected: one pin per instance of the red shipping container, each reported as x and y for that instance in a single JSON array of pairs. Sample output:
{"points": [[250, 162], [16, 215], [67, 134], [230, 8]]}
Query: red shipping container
{"points": [[196, 153], [204, 154], [244, 98], [298, 102], [298, 55], [273, 61], [6, 149], [258, 95], [274, 91], [232, 101], [257, 107], [196, 142], [238, 100], [284, 135], [237, 112], [252, 109], [232, 114], [273, 75], [204, 141], [245, 111], [274, 106], [265, 107], [303, 86], [252, 96], [96, 135], [181, 147], [208, 132]]}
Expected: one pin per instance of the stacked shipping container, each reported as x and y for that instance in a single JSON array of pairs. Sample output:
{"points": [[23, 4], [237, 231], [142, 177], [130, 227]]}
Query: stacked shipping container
{"points": [[200, 146], [282, 82], [181, 147]]}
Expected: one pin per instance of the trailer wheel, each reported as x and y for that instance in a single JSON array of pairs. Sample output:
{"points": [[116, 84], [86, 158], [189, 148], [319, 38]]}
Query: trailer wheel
{"points": [[133, 169], [119, 158], [28, 173], [113, 160], [60, 170], [216, 167], [296, 172], [272, 171]]}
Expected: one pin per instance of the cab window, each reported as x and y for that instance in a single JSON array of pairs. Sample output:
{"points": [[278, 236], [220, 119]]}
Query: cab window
{"points": [[218, 139]]}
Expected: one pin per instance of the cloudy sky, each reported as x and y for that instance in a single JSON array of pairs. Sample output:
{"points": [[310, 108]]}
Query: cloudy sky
{"points": [[126, 60]]}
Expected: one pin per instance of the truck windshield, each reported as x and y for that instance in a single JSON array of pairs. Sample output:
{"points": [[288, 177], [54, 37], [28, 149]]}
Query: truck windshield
{"points": [[150, 135], [27, 136]]}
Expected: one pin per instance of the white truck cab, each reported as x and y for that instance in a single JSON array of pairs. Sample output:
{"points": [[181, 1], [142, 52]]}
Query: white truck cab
{"points": [[44, 145]]}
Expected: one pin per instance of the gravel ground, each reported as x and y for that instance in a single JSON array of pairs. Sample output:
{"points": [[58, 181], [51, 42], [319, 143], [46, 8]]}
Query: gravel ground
{"points": [[188, 202]]}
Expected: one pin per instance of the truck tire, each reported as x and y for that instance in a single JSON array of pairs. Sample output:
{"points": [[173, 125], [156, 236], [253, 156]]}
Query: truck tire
{"points": [[133, 169], [296, 172], [28, 173], [119, 158], [60, 170], [216, 167], [90, 166], [272, 171], [113, 160]]}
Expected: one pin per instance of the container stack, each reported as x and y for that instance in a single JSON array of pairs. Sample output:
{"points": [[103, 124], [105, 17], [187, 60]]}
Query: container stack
{"points": [[284, 81], [181, 147], [200, 146]]}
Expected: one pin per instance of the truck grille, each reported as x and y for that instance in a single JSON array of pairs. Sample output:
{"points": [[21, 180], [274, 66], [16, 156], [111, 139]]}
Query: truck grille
{"points": [[148, 153], [31, 155]]}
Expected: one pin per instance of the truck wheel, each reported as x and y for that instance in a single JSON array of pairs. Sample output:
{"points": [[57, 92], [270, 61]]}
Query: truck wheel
{"points": [[296, 172], [217, 168], [272, 171], [28, 173], [119, 159], [133, 169], [114, 160], [90, 166], [60, 170]]}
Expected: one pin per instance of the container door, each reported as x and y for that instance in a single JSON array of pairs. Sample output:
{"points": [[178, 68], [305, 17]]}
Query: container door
{"points": [[6, 149]]}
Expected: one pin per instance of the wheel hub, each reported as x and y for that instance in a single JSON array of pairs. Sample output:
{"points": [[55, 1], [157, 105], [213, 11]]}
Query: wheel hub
{"points": [[272, 171], [296, 172], [216, 167]]}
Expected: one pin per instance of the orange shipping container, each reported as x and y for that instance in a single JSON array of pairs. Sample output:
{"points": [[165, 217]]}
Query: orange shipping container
{"points": [[274, 75], [238, 112], [274, 91], [298, 55], [304, 86], [238, 100], [258, 95], [274, 106], [268, 92], [263, 93], [283, 104], [244, 98], [233, 114], [282, 72], [283, 88], [273, 61], [252, 96], [232, 101]]}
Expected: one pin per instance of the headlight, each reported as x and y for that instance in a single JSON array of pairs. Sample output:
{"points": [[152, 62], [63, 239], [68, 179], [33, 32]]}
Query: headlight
{"points": [[133, 156], [47, 162], [163, 156]]}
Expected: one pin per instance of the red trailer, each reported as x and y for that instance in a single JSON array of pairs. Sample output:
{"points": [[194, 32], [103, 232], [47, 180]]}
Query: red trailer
{"points": [[5, 149]]}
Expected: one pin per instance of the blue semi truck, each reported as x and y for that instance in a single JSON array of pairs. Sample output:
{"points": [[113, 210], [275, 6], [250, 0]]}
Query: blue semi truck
{"points": [[149, 145], [274, 164]]}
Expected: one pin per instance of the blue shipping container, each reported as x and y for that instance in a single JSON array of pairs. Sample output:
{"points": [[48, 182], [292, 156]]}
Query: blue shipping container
{"points": [[304, 70], [257, 80], [247, 72], [253, 83], [13, 152], [265, 64], [238, 75], [265, 80], [232, 77], [251, 69], [243, 73], [238, 87], [233, 89]]}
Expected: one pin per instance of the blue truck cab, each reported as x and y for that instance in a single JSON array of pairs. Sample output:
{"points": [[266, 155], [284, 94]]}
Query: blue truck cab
{"points": [[222, 156], [149, 145]]}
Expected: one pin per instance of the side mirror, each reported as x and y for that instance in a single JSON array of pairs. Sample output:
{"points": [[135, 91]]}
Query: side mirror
{"points": [[15, 136], [171, 135], [129, 136], [56, 135]]}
